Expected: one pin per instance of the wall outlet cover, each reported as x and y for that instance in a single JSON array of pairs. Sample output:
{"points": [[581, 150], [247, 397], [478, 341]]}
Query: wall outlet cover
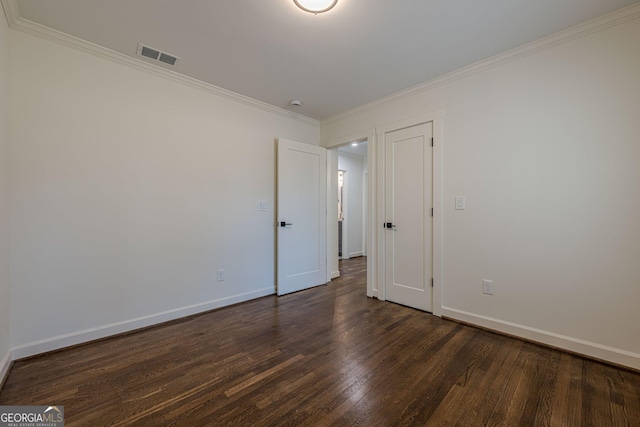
{"points": [[487, 287]]}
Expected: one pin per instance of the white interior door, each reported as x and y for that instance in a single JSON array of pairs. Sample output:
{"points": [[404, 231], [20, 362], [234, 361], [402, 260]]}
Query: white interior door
{"points": [[302, 216], [409, 221]]}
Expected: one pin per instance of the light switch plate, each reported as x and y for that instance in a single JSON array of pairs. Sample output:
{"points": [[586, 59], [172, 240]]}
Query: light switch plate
{"points": [[262, 205], [460, 203]]}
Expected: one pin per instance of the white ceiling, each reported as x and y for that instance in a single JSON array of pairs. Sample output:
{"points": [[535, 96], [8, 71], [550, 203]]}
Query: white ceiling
{"points": [[359, 150], [274, 52]]}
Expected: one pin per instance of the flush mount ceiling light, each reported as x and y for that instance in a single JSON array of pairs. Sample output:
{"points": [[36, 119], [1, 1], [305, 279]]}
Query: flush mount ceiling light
{"points": [[315, 6]]}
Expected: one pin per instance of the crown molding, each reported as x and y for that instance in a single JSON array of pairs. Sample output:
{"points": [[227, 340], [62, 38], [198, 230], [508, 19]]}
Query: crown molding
{"points": [[565, 36], [12, 13]]}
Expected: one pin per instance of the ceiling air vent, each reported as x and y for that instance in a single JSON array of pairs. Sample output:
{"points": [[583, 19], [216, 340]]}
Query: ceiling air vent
{"points": [[156, 55]]}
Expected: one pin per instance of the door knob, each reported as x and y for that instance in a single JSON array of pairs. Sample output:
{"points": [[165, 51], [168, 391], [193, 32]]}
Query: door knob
{"points": [[284, 224]]}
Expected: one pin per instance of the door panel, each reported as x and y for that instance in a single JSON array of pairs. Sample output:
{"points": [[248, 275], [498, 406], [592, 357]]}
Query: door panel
{"points": [[408, 203], [301, 194]]}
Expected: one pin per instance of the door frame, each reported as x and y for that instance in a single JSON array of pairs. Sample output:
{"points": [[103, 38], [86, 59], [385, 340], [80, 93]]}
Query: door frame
{"points": [[436, 118], [345, 212], [370, 234]]}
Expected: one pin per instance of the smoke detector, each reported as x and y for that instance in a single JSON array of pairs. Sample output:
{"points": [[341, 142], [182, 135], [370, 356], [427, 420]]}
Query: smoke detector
{"points": [[157, 55], [295, 103]]}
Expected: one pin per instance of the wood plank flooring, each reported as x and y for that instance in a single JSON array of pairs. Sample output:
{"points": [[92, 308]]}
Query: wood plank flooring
{"points": [[322, 357]]}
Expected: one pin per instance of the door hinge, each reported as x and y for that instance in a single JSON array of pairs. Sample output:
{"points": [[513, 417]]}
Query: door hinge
{"points": [[432, 142], [431, 211], [432, 282]]}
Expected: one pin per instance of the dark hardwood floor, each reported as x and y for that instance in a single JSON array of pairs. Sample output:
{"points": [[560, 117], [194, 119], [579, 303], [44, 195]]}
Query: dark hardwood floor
{"points": [[326, 356]]}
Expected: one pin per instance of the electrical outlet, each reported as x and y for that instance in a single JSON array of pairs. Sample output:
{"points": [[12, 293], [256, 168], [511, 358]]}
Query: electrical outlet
{"points": [[487, 287], [221, 275]]}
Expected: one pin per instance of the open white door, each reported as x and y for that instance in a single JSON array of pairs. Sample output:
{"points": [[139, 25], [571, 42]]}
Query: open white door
{"points": [[302, 216]]}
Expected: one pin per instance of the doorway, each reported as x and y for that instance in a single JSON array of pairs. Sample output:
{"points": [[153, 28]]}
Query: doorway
{"points": [[375, 232], [347, 197]]}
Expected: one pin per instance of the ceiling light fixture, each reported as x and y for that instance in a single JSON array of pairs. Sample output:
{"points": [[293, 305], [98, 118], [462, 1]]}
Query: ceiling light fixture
{"points": [[315, 6]]}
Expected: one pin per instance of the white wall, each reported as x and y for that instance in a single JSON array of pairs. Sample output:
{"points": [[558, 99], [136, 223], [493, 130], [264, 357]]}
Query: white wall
{"points": [[129, 191], [5, 290], [546, 149], [353, 191]]}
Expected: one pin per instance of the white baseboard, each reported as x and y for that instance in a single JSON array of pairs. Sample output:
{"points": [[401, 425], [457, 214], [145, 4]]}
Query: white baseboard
{"points": [[575, 345], [79, 337], [355, 254], [5, 363], [335, 274]]}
